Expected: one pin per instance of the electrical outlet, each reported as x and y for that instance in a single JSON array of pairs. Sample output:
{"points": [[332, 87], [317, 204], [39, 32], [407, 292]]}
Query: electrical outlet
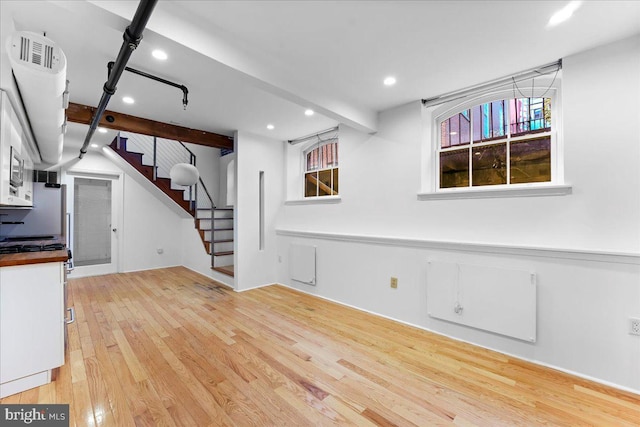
{"points": [[394, 282], [634, 326]]}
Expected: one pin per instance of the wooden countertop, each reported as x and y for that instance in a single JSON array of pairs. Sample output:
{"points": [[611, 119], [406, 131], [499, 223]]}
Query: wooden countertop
{"points": [[24, 258], [9, 260]]}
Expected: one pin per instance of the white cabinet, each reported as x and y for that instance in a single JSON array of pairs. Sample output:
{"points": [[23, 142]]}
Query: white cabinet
{"points": [[16, 165], [31, 325]]}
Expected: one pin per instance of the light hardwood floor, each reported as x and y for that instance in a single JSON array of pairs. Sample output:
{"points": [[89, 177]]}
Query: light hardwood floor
{"points": [[171, 347]]}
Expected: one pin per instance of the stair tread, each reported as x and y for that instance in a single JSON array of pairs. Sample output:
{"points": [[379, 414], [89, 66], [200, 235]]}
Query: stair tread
{"points": [[222, 229], [227, 269], [131, 152], [223, 253], [223, 241], [164, 184], [219, 219]]}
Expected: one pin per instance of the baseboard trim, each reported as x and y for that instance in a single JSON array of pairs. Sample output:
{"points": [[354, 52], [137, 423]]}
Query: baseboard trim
{"points": [[256, 287]]}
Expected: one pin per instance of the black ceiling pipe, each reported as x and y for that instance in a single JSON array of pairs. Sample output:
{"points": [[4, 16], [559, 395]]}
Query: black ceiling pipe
{"points": [[183, 88], [131, 38]]}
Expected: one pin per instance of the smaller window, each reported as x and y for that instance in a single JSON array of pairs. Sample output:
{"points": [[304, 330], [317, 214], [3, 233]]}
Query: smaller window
{"points": [[321, 169]]}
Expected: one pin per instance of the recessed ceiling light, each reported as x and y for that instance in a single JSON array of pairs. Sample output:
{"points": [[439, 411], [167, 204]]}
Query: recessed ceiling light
{"points": [[128, 100], [159, 54], [95, 145], [453, 133], [389, 81], [270, 126], [308, 112], [102, 130], [564, 13]]}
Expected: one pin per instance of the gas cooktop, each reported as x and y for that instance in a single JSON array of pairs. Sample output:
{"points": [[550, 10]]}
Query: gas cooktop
{"points": [[19, 248]]}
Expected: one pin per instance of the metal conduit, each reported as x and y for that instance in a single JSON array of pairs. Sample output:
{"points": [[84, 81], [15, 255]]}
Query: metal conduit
{"points": [[313, 136], [183, 88], [131, 39], [494, 84]]}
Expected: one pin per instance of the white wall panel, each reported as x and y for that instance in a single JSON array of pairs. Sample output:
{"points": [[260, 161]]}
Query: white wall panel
{"points": [[302, 263], [494, 299]]}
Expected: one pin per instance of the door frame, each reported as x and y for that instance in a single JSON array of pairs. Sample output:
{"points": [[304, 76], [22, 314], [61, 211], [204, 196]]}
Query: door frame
{"points": [[117, 193]]}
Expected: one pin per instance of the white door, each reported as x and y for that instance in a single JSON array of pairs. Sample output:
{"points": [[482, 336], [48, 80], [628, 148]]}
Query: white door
{"points": [[93, 205]]}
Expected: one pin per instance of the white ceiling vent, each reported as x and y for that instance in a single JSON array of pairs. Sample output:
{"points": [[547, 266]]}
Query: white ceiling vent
{"points": [[40, 68], [38, 53]]}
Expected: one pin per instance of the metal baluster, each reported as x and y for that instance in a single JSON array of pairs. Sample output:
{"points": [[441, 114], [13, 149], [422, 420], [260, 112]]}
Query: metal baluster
{"points": [[192, 161], [155, 163], [213, 258]]}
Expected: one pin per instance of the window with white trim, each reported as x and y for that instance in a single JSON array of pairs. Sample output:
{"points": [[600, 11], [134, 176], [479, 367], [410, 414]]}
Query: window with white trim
{"points": [[321, 169], [498, 142]]}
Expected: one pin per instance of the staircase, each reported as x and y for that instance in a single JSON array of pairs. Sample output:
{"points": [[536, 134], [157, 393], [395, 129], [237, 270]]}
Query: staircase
{"points": [[153, 158], [223, 240]]}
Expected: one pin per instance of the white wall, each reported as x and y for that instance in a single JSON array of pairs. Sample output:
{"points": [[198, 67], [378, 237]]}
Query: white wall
{"points": [[255, 267], [146, 224], [601, 90], [583, 305], [208, 164], [224, 165]]}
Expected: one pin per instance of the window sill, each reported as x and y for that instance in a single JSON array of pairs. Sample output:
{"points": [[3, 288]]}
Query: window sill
{"points": [[489, 193], [314, 200]]}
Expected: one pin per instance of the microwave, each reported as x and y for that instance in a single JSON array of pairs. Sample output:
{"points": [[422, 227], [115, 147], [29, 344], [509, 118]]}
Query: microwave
{"points": [[16, 169]]}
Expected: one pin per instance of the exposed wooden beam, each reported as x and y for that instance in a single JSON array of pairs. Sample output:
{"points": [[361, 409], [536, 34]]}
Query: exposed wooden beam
{"points": [[78, 113]]}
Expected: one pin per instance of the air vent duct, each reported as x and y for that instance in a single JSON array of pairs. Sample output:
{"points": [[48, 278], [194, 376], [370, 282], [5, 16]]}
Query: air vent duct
{"points": [[40, 69]]}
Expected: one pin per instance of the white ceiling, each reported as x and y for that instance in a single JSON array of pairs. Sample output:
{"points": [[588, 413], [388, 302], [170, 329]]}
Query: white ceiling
{"points": [[250, 63]]}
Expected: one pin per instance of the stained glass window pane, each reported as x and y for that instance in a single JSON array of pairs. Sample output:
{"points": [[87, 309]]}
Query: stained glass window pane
{"points": [[325, 156], [497, 119], [477, 123], [335, 153], [309, 163], [536, 112], [454, 129], [465, 127], [547, 113], [444, 134], [486, 121], [530, 115]]}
